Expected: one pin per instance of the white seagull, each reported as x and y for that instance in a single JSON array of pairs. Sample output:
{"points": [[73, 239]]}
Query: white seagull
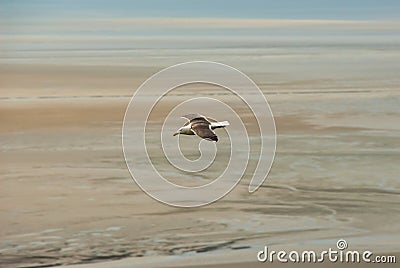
{"points": [[201, 126]]}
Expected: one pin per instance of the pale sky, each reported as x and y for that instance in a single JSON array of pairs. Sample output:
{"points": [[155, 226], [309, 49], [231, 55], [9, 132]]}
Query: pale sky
{"points": [[271, 9]]}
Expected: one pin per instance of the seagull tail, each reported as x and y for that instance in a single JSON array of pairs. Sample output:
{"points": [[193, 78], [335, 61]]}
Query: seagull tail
{"points": [[219, 124]]}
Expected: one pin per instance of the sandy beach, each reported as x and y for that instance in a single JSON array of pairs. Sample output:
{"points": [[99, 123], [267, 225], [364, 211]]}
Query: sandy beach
{"points": [[68, 198]]}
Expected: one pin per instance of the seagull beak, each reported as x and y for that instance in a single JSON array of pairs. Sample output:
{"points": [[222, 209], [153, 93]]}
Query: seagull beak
{"points": [[176, 133]]}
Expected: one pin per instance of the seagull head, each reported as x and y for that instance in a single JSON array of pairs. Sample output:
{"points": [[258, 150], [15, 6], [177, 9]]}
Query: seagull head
{"points": [[179, 131]]}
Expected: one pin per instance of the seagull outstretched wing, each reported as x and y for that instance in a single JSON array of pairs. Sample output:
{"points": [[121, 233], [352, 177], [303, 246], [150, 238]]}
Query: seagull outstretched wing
{"points": [[203, 130]]}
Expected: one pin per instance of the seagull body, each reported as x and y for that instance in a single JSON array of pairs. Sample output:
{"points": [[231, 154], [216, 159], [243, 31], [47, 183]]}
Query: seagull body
{"points": [[201, 126]]}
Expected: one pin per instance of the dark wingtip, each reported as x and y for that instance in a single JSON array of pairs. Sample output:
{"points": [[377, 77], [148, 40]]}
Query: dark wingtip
{"points": [[215, 139]]}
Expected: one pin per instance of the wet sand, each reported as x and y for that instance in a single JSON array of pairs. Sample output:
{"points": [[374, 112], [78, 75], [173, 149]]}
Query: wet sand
{"points": [[66, 196]]}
